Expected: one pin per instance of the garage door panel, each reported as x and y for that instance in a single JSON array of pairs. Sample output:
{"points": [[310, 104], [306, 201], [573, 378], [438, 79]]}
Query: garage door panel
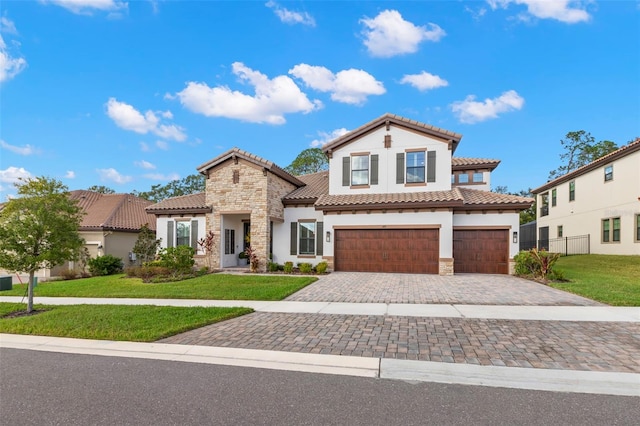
{"points": [[481, 251]]}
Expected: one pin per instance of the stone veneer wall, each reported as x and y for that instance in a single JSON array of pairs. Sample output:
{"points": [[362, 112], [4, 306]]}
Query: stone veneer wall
{"points": [[255, 193], [445, 267], [512, 267]]}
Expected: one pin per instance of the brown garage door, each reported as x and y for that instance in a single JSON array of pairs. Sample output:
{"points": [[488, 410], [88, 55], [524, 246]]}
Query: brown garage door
{"points": [[481, 251], [387, 250]]}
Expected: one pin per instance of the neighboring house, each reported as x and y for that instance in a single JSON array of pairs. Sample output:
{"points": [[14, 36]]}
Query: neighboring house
{"points": [[394, 200], [600, 199]]}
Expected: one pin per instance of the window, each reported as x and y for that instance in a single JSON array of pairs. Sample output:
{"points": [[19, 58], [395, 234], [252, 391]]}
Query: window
{"points": [[616, 229], [638, 228], [572, 190], [360, 170], [463, 178], [553, 197], [183, 232], [608, 173], [229, 241], [453, 178], [544, 204], [611, 230], [307, 237], [559, 231], [478, 177], [605, 231], [415, 167]]}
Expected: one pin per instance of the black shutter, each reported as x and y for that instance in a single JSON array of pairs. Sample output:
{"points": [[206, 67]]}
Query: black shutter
{"points": [[374, 169], [319, 234], [400, 167], [431, 166], [194, 235], [346, 171], [294, 238], [170, 233]]}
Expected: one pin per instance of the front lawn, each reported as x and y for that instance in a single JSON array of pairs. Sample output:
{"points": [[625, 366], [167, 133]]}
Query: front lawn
{"points": [[141, 323], [211, 286], [614, 280]]}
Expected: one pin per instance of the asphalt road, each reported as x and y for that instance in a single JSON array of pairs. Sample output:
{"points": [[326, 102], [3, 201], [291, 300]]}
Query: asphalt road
{"points": [[48, 388]]}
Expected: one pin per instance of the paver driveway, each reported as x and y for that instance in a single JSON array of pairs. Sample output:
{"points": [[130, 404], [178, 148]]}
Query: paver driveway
{"points": [[463, 289]]}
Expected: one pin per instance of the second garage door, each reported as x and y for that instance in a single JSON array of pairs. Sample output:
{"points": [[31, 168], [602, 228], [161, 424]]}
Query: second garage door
{"points": [[387, 250], [481, 251]]}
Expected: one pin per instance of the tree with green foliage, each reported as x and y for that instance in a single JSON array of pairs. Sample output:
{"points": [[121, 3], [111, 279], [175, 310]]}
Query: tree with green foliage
{"points": [[580, 149], [191, 184], [39, 228], [146, 246], [101, 189], [311, 160]]}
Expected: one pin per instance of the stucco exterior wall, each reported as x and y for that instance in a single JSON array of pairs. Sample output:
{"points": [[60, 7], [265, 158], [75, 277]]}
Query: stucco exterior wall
{"points": [[282, 235], [596, 200], [401, 140], [162, 228]]}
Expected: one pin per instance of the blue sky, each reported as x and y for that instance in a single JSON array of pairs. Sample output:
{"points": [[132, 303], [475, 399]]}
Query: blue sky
{"points": [[129, 94]]}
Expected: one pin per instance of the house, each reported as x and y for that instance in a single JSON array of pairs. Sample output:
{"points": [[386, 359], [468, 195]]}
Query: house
{"points": [[393, 200], [110, 225], [599, 201]]}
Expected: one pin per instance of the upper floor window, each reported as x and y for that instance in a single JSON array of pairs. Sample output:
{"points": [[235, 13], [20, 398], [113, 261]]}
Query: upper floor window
{"points": [[360, 170], [544, 204], [415, 167], [608, 173], [463, 178], [554, 197], [572, 190], [478, 177]]}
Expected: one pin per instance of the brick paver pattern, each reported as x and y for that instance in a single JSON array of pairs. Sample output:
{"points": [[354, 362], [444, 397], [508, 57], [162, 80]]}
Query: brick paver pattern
{"points": [[469, 289], [592, 346]]}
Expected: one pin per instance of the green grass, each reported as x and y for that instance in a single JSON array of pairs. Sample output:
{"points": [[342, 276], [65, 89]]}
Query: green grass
{"points": [[211, 286], [614, 280], [141, 323]]}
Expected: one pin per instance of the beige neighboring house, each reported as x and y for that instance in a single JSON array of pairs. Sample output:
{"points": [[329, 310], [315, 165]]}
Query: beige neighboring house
{"points": [[110, 226], [394, 199], [600, 199]]}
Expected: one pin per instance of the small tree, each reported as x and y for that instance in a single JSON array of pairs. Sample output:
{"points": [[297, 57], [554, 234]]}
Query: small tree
{"points": [[208, 244], [39, 228], [311, 160], [146, 245]]}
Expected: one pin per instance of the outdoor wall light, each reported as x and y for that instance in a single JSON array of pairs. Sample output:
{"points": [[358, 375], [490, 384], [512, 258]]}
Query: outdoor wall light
{"points": [[328, 238], [515, 236]]}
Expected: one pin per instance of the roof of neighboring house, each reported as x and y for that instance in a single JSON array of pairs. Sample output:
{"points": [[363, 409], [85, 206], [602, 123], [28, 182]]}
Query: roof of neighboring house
{"points": [[619, 153], [458, 198], [115, 212], [316, 184], [236, 153], [192, 203], [462, 163], [388, 119]]}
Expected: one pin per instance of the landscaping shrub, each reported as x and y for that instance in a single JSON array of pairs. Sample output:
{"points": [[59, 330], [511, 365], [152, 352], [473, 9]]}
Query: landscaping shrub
{"points": [[305, 268], [536, 263], [105, 265], [178, 259], [273, 267], [288, 267], [68, 274], [525, 264], [321, 267]]}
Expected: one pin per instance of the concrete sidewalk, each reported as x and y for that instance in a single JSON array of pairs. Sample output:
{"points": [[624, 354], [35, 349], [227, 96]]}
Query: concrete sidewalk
{"points": [[507, 312], [606, 383]]}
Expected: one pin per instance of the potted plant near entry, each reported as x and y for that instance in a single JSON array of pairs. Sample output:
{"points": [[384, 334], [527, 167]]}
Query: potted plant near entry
{"points": [[242, 259]]}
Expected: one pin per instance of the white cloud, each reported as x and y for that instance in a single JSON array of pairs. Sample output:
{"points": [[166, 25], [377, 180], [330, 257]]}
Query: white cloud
{"points": [[145, 165], [13, 174], [327, 137], [144, 147], [70, 174], [388, 34], [273, 98], [9, 66], [424, 81], [567, 11], [21, 150], [127, 117], [160, 176], [86, 7], [471, 111], [290, 17], [162, 145], [7, 26], [350, 86], [113, 175]]}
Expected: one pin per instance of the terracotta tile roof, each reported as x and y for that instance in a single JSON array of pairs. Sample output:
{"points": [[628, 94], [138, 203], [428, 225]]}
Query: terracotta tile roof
{"points": [[619, 153], [192, 203], [458, 198], [252, 158], [117, 212], [316, 184], [463, 163], [399, 121]]}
